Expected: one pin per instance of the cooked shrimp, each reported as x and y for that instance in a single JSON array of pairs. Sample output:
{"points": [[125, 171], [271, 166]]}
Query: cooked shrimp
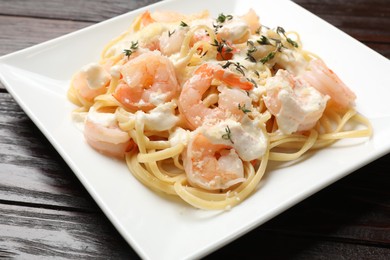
{"points": [[252, 20], [190, 100], [247, 137], [148, 80], [141, 21], [238, 29], [103, 134], [161, 30], [171, 42], [173, 17], [212, 166], [91, 81], [328, 83], [296, 105]]}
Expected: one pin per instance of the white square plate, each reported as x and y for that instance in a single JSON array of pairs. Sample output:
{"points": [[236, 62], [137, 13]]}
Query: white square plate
{"points": [[156, 226]]}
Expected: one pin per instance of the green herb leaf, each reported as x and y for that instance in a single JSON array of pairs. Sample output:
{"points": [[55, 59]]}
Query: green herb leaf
{"points": [[220, 47], [253, 82], [293, 43], [267, 58], [264, 41], [240, 68], [132, 49], [222, 18], [243, 108], [217, 27], [250, 57], [204, 54], [217, 44], [228, 135], [280, 30], [183, 24]]}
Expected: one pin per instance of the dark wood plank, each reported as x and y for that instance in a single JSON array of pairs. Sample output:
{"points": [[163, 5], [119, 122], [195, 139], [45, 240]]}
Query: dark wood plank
{"points": [[368, 23], [31, 171], [356, 8], [94, 11], [348, 220], [36, 233], [15, 35], [382, 48], [372, 29], [274, 245], [86, 10], [355, 209]]}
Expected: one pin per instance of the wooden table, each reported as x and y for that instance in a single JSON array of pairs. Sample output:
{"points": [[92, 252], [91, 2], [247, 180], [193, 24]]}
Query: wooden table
{"points": [[45, 211]]}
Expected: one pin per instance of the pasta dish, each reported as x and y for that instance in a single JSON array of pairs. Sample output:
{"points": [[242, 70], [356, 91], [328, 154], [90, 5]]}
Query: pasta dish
{"points": [[198, 105]]}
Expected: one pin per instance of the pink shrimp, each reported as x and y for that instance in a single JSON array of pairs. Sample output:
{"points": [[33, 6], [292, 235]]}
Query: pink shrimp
{"points": [[296, 105], [170, 43], [91, 81], [252, 20], [190, 100], [212, 166], [173, 17], [144, 20], [238, 29], [328, 83], [103, 134], [148, 80]]}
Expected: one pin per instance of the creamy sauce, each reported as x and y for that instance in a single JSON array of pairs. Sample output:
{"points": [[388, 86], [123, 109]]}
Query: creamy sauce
{"points": [[296, 105], [234, 30], [180, 136], [246, 138], [97, 77], [103, 119], [160, 118]]}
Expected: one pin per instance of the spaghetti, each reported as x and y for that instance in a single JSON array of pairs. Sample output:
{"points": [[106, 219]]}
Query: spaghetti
{"points": [[197, 106]]}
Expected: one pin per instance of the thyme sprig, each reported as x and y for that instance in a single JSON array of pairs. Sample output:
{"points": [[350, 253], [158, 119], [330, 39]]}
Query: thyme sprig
{"points": [[217, 27], [223, 18], [269, 57], [222, 47], [252, 48], [183, 24], [250, 57], [264, 41], [228, 135], [239, 67], [277, 43], [252, 81], [243, 108], [132, 49], [281, 31]]}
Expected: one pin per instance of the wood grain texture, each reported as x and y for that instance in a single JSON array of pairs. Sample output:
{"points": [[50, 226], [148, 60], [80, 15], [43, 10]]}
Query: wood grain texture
{"points": [[348, 220], [356, 8], [15, 35], [46, 212], [31, 169], [86, 10], [36, 233]]}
